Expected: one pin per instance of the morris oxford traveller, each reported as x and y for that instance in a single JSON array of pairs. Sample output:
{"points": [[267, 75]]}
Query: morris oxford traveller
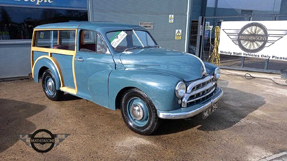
{"points": [[122, 67]]}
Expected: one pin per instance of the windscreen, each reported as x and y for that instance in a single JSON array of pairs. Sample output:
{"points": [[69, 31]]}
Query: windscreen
{"points": [[130, 39]]}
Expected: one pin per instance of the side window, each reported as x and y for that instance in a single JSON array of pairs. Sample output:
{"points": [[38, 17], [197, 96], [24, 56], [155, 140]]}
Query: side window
{"points": [[43, 39], [56, 39], [87, 41], [66, 40], [91, 41]]}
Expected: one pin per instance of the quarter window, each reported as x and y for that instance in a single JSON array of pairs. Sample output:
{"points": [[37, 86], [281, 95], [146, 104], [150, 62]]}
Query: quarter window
{"points": [[101, 45]]}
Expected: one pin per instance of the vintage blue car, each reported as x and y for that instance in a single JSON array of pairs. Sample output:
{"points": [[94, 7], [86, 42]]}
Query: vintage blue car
{"points": [[121, 66]]}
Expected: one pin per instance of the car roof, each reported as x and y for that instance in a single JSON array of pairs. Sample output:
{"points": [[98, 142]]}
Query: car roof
{"points": [[88, 25]]}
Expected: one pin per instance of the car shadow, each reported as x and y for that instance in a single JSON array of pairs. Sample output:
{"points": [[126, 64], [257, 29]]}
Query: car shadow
{"points": [[13, 121], [69, 97], [234, 106]]}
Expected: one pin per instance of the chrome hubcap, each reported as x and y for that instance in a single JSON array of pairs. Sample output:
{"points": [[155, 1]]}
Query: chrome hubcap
{"points": [[50, 85], [137, 112]]}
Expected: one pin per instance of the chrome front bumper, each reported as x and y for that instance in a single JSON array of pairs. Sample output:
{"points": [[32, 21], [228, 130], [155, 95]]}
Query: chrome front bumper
{"points": [[187, 114]]}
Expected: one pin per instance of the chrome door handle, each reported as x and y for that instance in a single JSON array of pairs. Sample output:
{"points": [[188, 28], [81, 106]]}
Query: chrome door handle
{"points": [[80, 59]]}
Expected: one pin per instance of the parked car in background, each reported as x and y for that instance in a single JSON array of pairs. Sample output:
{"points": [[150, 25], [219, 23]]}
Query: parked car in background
{"points": [[122, 67]]}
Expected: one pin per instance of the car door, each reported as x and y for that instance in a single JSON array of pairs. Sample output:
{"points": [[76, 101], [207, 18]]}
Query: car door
{"points": [[93, 64]]}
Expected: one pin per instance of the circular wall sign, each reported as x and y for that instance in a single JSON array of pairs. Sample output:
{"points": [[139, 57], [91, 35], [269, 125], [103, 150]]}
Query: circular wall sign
{"points": [[252, 37]]}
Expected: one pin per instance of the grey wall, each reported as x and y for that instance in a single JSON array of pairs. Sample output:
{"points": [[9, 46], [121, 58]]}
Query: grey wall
{"points": [[268, 15], [232, 12], [15, 60], [198, 8], [283, 8], [135, 11]]}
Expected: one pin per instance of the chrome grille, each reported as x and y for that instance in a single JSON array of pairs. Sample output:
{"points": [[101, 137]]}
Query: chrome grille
{"points": [[199, 90]]}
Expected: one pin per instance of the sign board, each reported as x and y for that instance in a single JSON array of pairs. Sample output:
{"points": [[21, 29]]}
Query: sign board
{"points": [[178, 33], [146, 25], [171, 18], [207, 26], [258, 39], [74, 4], [207, 23]]}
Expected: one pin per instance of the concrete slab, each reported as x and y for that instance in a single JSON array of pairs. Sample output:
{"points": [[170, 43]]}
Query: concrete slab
{"points": [[249, 125]]}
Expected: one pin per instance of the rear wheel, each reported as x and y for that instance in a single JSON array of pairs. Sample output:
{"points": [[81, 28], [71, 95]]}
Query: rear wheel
{"points": [[49, 86], [139, 112]]}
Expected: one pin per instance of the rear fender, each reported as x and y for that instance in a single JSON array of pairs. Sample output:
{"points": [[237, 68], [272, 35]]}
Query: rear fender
{"points": [[50, 63]]}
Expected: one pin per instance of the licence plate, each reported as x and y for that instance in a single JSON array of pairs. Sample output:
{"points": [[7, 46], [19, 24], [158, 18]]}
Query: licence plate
{"points": [[209, 111]]}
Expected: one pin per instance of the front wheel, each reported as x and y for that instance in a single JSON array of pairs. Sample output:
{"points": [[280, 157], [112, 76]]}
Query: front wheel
{"points": [[49, 86], [139, 112]]}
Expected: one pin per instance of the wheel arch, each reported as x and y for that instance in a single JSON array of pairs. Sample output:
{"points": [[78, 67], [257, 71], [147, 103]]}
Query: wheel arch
{"points": [[120, 96], [43, 63], [41, 71], [158, 87]]}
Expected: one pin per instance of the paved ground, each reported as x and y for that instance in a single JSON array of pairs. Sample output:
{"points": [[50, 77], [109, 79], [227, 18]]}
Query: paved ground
{"points": [[250, 125]]}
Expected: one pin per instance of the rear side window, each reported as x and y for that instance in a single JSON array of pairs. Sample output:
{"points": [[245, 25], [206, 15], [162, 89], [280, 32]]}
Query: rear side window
{"points": [[43, 39], [67, 40], [56, 39]]}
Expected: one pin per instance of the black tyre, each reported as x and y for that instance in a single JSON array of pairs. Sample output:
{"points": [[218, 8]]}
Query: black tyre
{"points": [[49, 86], [139, 112]]}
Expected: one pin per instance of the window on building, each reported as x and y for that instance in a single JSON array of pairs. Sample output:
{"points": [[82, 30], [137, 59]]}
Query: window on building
{"points": [[19, 22], [246, 12]]}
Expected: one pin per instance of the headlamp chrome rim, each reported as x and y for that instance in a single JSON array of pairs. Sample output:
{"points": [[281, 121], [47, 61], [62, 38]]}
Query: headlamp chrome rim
{"points": [[217, 73], [180, 89]]}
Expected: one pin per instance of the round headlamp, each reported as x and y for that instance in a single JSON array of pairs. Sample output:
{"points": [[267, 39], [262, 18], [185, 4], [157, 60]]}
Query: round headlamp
{"points": [[180, 89], [217, 73]]}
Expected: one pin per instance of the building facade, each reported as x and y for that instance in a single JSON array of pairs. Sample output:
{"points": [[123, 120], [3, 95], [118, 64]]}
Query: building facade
{"points": [[163, 18]]}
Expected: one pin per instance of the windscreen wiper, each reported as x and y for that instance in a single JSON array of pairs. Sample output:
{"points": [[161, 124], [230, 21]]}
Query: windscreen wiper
{"points": [[155, 46], [136, 47]]}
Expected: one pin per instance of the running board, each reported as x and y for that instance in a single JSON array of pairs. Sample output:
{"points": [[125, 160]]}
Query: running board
{"points": [[68, 90]]}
